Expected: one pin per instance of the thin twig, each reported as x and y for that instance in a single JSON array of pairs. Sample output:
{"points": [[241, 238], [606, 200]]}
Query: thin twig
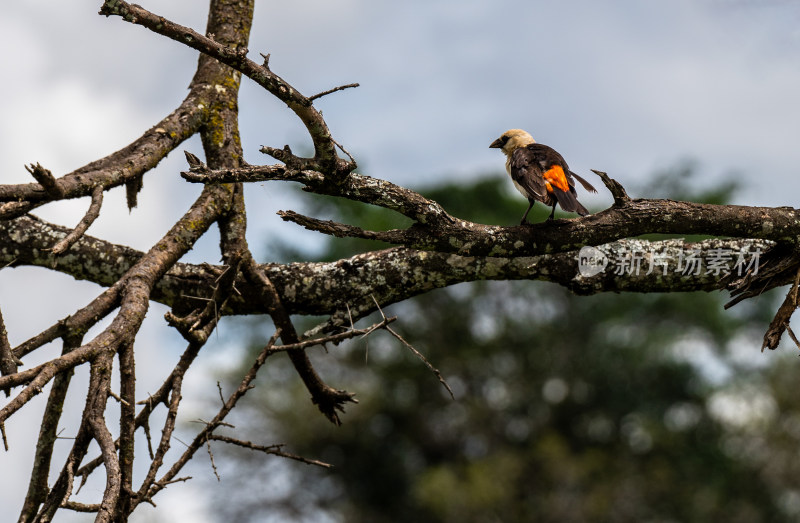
{"points": [[270, 449], [211, 456], [219, 389], [336, 338], [329, 91], [424, 360], [352, 160], [417, 353], [87, 220], [117, 397], [150, 487], [791, 335]]}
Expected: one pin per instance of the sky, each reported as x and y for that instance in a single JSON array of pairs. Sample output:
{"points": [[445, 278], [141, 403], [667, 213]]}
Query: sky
{"points": [[628, 87]]}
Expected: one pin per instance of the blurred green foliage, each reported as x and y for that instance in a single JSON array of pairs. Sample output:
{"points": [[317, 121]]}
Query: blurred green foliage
{"points": [[612, 408]]}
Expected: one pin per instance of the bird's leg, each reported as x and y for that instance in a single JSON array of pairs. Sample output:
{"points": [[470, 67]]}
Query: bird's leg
{"points": [[525, 216], [553, 213]]}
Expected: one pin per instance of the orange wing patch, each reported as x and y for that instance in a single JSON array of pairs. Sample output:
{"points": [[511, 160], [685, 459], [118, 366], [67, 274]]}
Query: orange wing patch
{"points": [[555, 177]]}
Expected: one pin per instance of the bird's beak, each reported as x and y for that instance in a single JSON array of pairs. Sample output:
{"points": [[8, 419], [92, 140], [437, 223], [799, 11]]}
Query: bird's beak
{"points": [[497, 144]]}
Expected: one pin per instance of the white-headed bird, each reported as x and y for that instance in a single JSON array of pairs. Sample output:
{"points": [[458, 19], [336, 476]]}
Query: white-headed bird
{"points": [[540, 173]]}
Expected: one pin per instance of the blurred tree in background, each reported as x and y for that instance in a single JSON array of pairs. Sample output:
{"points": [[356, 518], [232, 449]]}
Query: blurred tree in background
{"points": [[613, 407]]}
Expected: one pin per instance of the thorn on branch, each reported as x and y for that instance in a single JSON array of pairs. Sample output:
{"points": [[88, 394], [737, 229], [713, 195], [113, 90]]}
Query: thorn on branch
{"points": [[265, 65], [286, 156], [329, 91], [615, 188], [195, 164]]}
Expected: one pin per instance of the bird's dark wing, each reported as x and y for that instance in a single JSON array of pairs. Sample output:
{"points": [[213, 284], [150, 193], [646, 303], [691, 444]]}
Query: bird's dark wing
{"points": [[555, 168], [552, 157], [526, 167]]}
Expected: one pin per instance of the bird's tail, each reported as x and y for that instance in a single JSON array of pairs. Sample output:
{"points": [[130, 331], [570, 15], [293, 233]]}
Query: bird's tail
{"points": [[586, 185], [568, 202]]}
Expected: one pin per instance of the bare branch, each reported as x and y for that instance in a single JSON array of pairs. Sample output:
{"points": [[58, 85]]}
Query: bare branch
{"points": [[328, 399], [341, 230], [116, 169], [357, 187], [150, 489], [778, 325], [88, 219], [81, 507]]}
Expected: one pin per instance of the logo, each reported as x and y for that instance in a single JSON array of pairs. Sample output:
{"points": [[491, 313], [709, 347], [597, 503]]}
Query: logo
{"points": [[591, 261]]}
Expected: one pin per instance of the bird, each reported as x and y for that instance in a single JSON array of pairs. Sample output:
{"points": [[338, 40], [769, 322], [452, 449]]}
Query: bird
{"points": [[540, 173]]}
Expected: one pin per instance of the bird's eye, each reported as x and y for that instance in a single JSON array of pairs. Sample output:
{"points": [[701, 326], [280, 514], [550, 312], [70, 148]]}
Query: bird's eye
{"points": [[504, 139]]}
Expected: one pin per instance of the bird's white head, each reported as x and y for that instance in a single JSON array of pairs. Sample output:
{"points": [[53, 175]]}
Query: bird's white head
{"points": [[511, 140]]}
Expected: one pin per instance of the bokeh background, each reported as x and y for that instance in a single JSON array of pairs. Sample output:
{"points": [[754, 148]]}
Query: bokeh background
{"points": [[639, 90]]}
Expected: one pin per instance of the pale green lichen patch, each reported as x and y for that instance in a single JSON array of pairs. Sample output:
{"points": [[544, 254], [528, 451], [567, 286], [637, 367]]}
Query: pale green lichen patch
{"points": [[454, 260], [500, 251], [493, 267]]}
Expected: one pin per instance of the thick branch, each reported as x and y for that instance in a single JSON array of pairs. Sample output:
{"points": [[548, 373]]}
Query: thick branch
{"points": [[627, 220], [436, 230], [390, 274]]}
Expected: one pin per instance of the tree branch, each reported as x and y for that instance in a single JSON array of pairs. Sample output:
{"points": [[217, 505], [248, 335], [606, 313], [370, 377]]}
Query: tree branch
{"points": [[117, 168], [325, 158]]}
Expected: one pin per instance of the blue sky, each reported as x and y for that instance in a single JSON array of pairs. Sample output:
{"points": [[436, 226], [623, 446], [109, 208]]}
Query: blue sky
{"points": [[628, 87]]}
